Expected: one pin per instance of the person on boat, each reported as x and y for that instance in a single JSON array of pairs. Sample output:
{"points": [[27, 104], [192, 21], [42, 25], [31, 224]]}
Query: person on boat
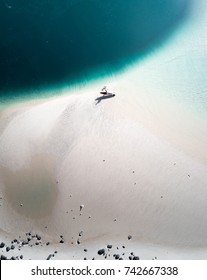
{"points": [[104, 91]]}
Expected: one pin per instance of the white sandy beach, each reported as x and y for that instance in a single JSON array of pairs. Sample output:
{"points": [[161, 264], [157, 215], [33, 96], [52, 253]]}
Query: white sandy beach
{"points": [[137, 162]]}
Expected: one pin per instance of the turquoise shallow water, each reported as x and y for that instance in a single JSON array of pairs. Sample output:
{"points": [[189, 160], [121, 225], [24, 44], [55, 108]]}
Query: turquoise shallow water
{"points": [[52, 43]]}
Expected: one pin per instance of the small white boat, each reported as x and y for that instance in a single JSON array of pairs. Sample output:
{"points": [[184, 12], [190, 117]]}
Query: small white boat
{"points": [[105, 92]]}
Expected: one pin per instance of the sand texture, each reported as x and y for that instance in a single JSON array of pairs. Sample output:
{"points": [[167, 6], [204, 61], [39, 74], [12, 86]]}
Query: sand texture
{"points": [[130, 171]]}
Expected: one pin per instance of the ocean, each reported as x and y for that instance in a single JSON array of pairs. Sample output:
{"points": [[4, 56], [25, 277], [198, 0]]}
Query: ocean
{"points": [[47, 44]]}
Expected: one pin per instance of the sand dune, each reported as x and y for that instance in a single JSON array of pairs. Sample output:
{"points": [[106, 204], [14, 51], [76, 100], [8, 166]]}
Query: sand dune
{"points": [[61, 154]]}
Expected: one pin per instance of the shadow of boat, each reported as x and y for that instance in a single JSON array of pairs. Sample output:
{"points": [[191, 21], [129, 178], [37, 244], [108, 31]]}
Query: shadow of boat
{"points": [[99, 99]]}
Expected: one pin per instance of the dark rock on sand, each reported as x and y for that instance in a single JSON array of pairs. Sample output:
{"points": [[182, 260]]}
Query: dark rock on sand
{"points": [[129, 237], [2, 245], [49, 257], [101, 251], [135, 258], [38, 237], [116, 256], [109, 246], [12, 247], [3, 257], [8, 249]]}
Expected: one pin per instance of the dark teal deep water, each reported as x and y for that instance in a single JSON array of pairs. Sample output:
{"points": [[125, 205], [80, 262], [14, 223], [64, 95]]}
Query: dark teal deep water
{"points": [[48, 42]]}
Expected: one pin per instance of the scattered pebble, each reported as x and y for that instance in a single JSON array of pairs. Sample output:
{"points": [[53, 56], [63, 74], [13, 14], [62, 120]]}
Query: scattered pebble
{"points": [[101, 252], [129, 237], [49, 257], [33, 240], [8, 248], [2, 245], [116, 256], [38, 237], [3, 257]]}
